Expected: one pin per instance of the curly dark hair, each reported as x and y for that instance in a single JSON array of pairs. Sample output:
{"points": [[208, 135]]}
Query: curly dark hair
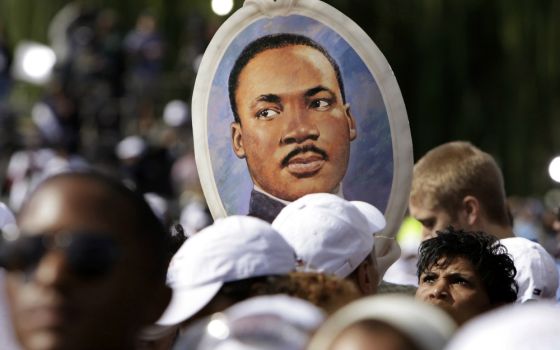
{"points": [[327, 292], [489, 258]]}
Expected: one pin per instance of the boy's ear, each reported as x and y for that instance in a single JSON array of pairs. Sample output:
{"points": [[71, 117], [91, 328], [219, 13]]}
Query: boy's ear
{"points": [[471, 210]]}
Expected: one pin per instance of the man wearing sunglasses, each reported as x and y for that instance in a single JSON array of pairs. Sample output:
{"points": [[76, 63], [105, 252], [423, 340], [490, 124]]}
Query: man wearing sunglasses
{"points": [[86, 269], [7, 341]]}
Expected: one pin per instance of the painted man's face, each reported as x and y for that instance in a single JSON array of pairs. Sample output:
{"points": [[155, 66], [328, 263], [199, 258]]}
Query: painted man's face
{"points": [[295, 130]]}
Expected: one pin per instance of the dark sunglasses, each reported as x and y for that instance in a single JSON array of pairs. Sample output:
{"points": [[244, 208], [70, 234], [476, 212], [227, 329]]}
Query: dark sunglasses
{"points": [[88, 254]]}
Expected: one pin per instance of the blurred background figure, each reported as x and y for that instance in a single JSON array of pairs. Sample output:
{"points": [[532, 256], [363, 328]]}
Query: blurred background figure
{"points": [[49, 148], [385, 322], [7, 339], [146, 167], [409, 237], [556, 247], [144, 50], [195, 216], [513, 327], [88, 251], [5, 65]]}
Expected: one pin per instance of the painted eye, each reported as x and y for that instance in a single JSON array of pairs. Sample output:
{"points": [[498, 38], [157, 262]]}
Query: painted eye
{"points": [[321, 104], [266, 113]]}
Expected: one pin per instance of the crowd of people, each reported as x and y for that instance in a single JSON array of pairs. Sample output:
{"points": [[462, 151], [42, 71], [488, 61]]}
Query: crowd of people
{"points": [[109, 105], [89, 264], [112, 247]]}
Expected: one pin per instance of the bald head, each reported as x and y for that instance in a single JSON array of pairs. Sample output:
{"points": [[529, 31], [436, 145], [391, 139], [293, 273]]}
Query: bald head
{"points": [[87, 214], [102, 198]]}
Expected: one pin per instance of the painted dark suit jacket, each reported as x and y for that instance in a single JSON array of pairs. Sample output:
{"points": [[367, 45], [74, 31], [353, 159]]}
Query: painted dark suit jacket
{"points": [[263, 207]]}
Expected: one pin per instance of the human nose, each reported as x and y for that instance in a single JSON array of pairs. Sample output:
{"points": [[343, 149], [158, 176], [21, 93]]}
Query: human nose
{"points": [[439, 290], [300, 126], [427, 233], [52, 270]]}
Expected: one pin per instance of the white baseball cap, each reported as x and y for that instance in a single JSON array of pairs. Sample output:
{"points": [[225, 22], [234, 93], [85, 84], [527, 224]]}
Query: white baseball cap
{"points": [[426, 325], [295, 311], [232, 249], [512, 327], [6, 216], [536, 276], [272, 322], [329, 234]]}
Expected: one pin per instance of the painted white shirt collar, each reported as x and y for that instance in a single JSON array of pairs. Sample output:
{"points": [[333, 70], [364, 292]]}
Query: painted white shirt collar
{"points": [[338, 191]]}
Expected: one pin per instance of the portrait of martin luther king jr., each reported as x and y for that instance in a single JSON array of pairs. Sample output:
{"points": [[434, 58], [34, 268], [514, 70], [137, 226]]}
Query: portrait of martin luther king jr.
{"points": [[292, 123]]}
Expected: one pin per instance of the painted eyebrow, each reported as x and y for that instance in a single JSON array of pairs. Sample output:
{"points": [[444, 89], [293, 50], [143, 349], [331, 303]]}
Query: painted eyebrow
{"points": [[315, 90], [267, 98], [272, 98]]}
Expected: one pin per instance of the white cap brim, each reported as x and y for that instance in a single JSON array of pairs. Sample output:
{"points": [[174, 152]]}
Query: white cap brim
{"points": [[375, 218], [186, 303]]}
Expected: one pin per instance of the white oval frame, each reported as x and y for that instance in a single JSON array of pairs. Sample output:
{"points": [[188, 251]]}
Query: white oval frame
{"points": [[370, 54]]}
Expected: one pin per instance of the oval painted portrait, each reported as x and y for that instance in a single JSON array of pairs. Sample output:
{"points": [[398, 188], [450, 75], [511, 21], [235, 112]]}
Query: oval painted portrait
{"points": [[292, 98]]}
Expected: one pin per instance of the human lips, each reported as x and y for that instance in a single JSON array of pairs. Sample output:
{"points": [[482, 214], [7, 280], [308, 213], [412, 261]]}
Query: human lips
{"points": [[305, 161], [48, 316], [443, 304], [305, 165]]}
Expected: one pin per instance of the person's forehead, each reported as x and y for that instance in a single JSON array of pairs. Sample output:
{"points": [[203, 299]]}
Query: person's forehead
{"points": [[292, 56], [455, 264], [421, 210], [423, 194], [68, 204], [297, 50]]}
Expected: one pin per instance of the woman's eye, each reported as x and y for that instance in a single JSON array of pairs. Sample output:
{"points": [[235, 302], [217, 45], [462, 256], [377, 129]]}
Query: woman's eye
{"points": [[266, 113], [461, 282], [428, 279]]}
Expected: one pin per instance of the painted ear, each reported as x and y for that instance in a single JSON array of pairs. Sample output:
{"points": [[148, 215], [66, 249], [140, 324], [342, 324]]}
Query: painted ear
{"points": [[351, 122], [471, 208], [237, 140]]}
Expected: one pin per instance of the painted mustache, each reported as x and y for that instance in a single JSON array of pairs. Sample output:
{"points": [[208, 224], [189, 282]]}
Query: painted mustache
{"points": [[304, 149]]}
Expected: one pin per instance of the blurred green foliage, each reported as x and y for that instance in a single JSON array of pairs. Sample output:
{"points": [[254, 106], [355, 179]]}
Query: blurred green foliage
{"points": [[487, 71]]}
